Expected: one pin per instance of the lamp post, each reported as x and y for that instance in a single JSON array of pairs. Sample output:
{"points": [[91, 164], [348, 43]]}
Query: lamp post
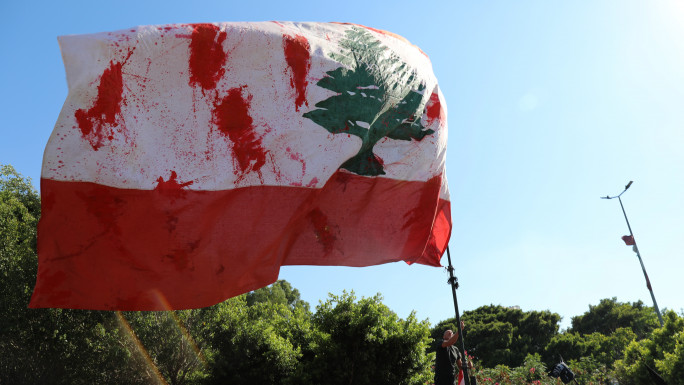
{"points": [[636, 249]]}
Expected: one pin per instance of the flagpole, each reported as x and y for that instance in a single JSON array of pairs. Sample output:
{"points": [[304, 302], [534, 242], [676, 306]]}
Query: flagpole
{"points": [[453, 282], [636, 249]]}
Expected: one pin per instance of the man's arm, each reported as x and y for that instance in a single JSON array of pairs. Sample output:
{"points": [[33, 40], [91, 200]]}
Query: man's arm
{"points": [[451, 341], [453, 338]]}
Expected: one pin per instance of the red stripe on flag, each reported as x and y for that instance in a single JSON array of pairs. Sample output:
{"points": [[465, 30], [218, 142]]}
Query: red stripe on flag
{"points": [[106, 248]]}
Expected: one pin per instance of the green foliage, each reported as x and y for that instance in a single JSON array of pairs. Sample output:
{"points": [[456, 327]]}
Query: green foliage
{"points": [[663, 351], [256, 344], [590, 371], [500, 338], [19, 214], [672, 364], [280, 292], [376, 96], [496, 335], [267, 341], [603, 349], [610, 315], [363, 342], [180, 359], [503, 341], [12, 184], [532, 371]]}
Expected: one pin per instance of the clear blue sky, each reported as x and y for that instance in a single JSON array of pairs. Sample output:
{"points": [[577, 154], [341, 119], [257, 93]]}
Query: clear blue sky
{"points": [[551, 105]]}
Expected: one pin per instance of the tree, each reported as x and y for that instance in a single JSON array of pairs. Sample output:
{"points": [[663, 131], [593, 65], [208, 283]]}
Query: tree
{"points": [[489, 342], [257, 344], [279, 292], [21, 331], [663, 351], [363, 342], [672, 364], [377, 96], [532, 371], [46, 346], [19, 214], [602, 349], [610, 315], [496, 335], [172, 340]]}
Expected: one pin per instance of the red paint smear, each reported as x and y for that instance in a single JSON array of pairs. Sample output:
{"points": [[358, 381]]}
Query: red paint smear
{"points": [[298, 58], [322, 229], [313, 182], [207, 56], [231, 116], [171, 187], [107, 106], [299, 158], [434, 109]]}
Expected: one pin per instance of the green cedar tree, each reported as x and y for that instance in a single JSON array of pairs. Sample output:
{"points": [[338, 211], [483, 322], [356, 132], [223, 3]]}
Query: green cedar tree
{"points": [[377, 96]]}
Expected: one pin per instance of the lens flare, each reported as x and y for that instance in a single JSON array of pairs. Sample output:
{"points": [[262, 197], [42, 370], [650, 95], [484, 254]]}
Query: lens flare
{"points": [[184, 331], [141, 349]]}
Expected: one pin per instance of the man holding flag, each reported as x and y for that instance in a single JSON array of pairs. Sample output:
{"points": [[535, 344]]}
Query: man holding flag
{"points": [[447, 359]]}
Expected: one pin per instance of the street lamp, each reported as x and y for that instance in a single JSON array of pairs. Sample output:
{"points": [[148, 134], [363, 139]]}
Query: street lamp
{"points": [[636, 249]]}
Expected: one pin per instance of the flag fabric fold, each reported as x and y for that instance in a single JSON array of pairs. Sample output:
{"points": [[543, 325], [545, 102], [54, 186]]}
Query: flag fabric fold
{"points": [[191, 161]]}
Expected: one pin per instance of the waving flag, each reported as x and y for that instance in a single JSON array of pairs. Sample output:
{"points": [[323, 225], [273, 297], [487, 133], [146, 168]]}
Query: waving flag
{"points": [[191, 161], [629, 240]]}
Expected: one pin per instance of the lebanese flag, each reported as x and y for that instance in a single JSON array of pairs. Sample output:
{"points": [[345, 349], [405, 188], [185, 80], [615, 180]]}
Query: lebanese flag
{"points": [[461, 379], [191, 161]]}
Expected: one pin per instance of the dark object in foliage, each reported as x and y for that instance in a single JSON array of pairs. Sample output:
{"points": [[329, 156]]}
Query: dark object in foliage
{"points": [[562, 371], [655, 376]]}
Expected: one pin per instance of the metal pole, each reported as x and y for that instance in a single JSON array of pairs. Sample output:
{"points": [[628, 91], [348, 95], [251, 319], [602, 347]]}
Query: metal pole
{"points": [[453, 281], [636, 249], [643, 268]]}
